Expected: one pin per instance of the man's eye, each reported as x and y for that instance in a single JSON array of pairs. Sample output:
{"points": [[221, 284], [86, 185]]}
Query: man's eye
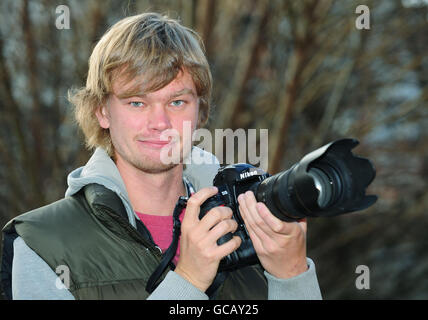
{"points": [[178, 103], [136, 104]]}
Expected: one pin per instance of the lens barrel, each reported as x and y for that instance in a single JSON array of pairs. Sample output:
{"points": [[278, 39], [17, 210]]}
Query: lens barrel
{"points": [[328, 181]]}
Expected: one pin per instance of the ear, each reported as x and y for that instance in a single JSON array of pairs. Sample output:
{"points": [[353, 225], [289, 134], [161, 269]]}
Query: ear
{"points": [[102, 116]]}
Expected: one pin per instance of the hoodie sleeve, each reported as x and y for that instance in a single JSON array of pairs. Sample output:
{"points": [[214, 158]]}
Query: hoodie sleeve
{"points": [[301, 287], [174, 287], [32, 278]]}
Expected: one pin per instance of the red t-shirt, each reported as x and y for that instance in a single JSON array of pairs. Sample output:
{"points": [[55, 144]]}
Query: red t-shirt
{"points": [[160, 228]]}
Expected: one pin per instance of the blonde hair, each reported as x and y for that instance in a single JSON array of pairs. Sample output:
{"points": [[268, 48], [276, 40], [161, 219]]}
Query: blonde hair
{"points": [[149, 48]]}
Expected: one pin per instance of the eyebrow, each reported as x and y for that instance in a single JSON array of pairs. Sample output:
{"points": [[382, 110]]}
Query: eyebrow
{"points": [[182, 93], [172, 96]]}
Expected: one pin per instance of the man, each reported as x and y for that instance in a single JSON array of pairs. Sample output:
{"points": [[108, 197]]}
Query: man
{"points": [[147, 78]]}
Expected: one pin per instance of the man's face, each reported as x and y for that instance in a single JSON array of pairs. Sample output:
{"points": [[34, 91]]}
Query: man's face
{"points": [[137, 123]]}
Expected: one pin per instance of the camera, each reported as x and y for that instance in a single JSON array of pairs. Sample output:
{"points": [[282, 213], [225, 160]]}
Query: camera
{"points": [[329, 181]]}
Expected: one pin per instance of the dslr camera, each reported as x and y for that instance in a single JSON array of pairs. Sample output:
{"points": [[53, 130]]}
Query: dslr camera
{"points": [[327, 182]]}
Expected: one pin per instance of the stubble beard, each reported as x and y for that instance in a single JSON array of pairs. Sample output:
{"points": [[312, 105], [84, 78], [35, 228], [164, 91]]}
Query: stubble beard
{"points": [[149, 165], [152, 167]]}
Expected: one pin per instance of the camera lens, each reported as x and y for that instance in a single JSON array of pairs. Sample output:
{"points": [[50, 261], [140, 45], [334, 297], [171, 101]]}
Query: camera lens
{"points": [[328, 184], [324, 185]]}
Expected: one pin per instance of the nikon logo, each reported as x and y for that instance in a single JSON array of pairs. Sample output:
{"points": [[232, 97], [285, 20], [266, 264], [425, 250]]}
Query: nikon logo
{"points": [[247, 174]]}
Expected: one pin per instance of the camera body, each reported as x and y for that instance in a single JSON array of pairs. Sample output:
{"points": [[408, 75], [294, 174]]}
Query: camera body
{"points": [[326, 182], [231, 181]]}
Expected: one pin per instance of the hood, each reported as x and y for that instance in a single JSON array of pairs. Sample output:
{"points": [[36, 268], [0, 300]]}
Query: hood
{"points": [[200, 169]]}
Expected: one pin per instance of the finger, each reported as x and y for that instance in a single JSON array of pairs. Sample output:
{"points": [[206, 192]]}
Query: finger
{"points": [[255, 220], [258, 237], [265, 220], [221, 229], [275, 224], [250, 225], [228, 247], [215, 216], [304, 224], [194, 203], [260, 232]]}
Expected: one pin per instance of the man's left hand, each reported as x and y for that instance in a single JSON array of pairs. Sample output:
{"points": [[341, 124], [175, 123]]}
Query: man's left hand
{"points": [[280, 245]]}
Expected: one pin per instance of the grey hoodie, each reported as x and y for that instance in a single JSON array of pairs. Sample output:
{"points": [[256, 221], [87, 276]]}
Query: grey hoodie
{"points": [[32, 278]]}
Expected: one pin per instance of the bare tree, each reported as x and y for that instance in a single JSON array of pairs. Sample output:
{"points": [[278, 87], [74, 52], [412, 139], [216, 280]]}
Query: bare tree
{"points": [[298, 68]]}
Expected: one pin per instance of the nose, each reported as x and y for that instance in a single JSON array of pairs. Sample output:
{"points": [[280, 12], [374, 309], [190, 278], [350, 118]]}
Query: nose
{"points": [[159, 119]]}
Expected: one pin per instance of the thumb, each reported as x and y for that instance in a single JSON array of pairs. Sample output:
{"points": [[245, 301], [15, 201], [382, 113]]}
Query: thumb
{"points": [[195, 201]]}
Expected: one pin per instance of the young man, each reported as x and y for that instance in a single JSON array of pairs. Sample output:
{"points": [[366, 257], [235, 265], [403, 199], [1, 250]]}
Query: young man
{"points": [[147, 78]]}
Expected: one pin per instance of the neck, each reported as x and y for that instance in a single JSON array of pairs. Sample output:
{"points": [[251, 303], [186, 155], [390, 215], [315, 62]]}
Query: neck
{"points": [[149, 193]]}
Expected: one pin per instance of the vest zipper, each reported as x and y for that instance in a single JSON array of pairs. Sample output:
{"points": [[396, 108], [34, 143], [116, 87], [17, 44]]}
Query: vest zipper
{"points": [[152, 244], [135, 234], [148, 244]]}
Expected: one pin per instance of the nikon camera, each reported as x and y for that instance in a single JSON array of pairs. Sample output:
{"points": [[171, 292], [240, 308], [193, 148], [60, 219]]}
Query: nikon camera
{"points": [[327, 182]]}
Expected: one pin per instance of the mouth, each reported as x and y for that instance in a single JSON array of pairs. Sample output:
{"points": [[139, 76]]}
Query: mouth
{"points": [[155, 144]]}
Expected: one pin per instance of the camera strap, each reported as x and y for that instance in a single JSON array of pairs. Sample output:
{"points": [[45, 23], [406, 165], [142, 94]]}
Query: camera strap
{"points": [[169, 254]]}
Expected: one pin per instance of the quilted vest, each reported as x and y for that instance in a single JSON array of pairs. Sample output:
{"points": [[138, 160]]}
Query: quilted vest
{"points": [[108, 258]]}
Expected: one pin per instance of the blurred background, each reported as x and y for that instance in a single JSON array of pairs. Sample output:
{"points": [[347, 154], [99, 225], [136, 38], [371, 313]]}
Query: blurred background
{"points": [[301, 69]]}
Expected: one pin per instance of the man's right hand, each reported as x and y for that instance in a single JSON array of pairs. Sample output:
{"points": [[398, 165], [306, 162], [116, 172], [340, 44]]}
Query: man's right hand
{"points": [[200, 254]]}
